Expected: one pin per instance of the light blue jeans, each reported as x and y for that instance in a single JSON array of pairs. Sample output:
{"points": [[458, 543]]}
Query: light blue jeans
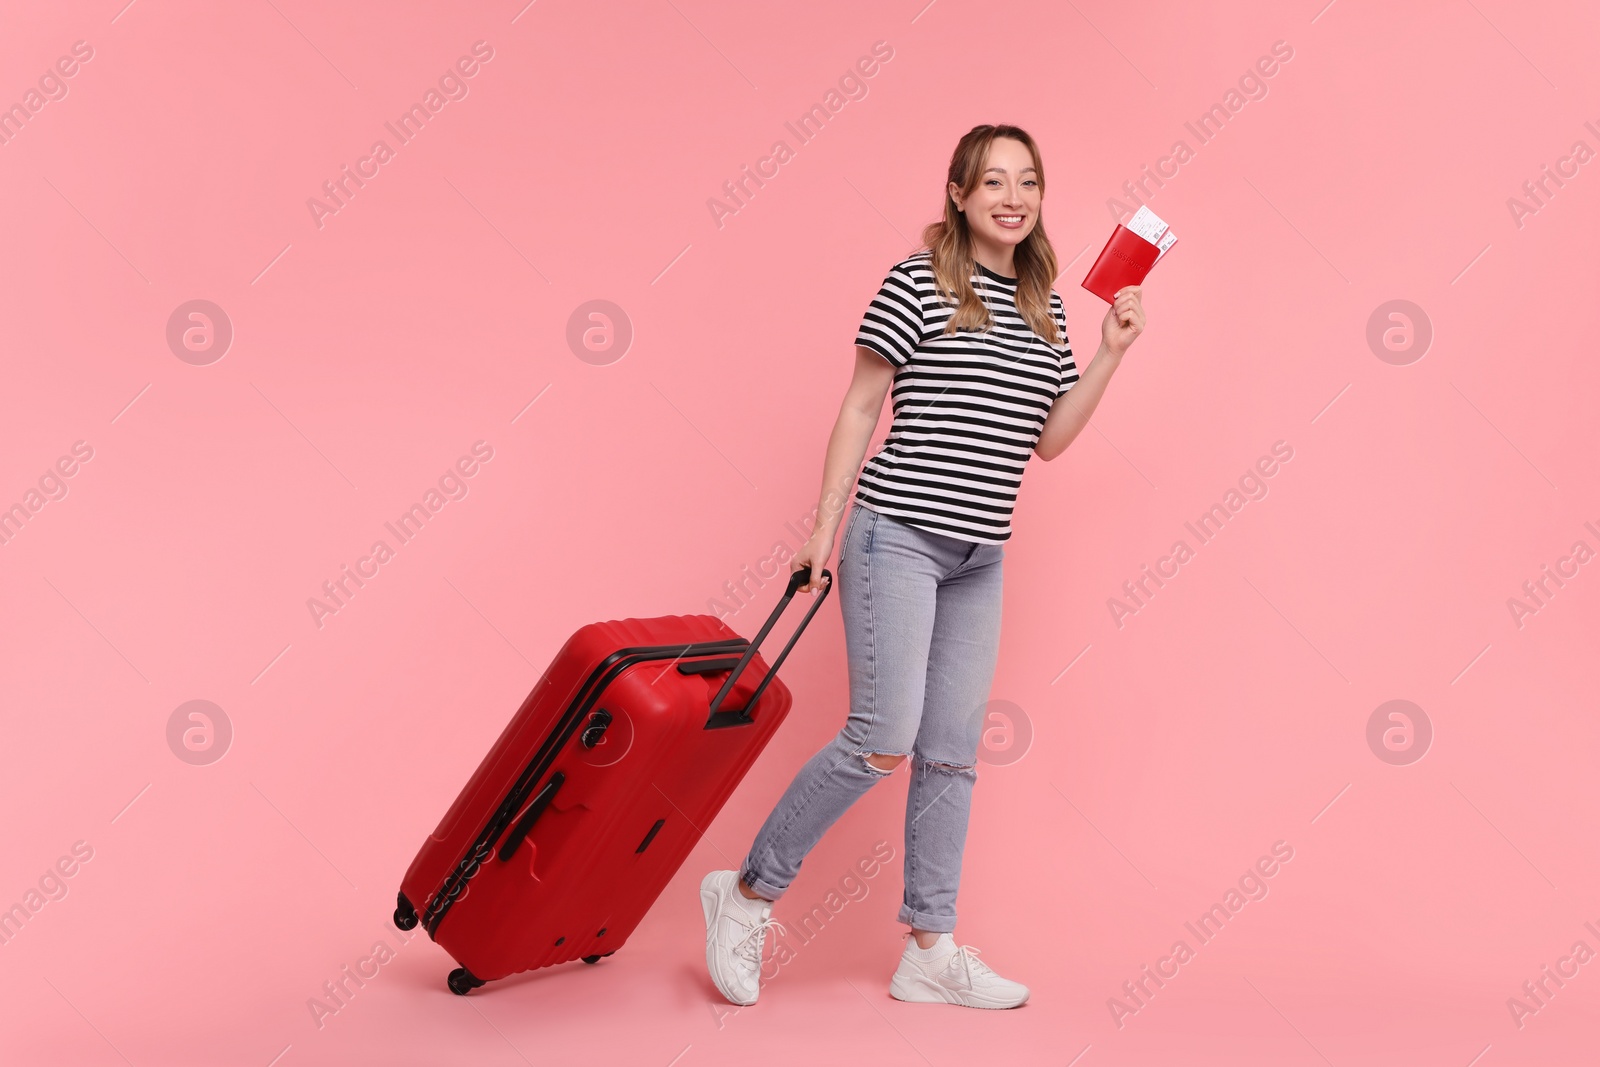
{"points": [[922, 632]]}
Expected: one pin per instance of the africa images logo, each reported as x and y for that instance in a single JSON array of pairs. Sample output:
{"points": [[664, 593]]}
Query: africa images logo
{"points": [[452, 85]]}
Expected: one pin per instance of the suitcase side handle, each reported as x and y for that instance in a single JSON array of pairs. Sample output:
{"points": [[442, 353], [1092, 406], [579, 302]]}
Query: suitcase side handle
{"points": [[524, 825], [730, 717]]}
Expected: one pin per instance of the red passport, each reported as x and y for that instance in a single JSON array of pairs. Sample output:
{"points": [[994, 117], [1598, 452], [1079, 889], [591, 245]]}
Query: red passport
{"points": [[1129, 255]]}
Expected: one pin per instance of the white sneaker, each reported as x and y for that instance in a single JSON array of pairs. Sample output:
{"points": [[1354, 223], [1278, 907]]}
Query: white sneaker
{"points": [[952, 974], [735, 928]]}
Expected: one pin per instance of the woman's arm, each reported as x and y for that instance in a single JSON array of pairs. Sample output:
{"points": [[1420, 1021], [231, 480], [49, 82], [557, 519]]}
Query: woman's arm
{"points": [[1071, 410], [1123, 324], [847, 446]]}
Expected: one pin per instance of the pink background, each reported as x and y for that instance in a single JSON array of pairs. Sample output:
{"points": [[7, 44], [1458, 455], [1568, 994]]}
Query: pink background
{"points": [[368, 354]]}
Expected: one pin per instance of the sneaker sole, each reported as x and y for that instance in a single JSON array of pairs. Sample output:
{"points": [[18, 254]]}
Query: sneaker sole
{"points": [[923, 991], [708, 908]]}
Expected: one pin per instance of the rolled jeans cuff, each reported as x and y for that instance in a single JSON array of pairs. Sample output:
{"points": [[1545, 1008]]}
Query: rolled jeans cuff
{"points": [[923, 920], [760, 885]]}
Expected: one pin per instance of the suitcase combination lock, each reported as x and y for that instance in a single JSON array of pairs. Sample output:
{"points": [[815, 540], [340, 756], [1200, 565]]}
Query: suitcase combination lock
{"points": [[596, 728]]}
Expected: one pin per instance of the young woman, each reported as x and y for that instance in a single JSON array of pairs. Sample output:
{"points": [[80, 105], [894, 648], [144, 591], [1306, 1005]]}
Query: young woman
{"points": [[972, 338]]}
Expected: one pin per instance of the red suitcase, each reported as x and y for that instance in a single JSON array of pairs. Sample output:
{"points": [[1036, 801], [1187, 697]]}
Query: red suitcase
{"points": [[596, 791]]}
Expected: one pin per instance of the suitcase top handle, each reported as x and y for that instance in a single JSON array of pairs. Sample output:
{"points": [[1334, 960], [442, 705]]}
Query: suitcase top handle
{"points": [[796, 580]]}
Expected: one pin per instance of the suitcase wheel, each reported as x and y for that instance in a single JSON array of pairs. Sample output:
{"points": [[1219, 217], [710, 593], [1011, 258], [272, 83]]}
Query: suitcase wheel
{"points": [[462, 981], [405, 916], [596, 958]]}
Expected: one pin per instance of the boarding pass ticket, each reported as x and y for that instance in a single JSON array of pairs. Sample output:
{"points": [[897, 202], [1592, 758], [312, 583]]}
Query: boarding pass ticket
{"points": [[1146, 224]]}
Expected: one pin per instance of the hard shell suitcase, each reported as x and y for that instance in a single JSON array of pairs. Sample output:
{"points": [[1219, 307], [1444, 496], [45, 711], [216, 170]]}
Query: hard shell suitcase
{"points": [[596, 791]]}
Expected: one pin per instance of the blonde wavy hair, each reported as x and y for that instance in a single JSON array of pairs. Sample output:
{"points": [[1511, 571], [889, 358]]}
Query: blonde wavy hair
{"points": [[950, 241]]}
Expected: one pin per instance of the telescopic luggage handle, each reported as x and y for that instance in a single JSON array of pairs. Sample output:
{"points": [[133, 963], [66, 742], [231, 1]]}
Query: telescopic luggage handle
{"points": [[732, 718]]}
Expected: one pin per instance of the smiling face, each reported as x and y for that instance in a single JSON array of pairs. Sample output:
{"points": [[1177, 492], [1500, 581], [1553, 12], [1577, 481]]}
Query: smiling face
{"points": [[1004, 208]]}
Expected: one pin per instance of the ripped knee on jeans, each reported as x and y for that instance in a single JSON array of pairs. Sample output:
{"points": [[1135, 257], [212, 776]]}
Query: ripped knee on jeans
{"points": [[946, 768], [882, 762]]}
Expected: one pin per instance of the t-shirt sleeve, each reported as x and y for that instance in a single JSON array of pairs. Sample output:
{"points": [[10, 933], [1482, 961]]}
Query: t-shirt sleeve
{"points": [[892, 326], [1069, 366]]}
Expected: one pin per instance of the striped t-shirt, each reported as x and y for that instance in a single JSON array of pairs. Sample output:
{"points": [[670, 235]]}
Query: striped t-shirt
{"points": [[968, 406]]}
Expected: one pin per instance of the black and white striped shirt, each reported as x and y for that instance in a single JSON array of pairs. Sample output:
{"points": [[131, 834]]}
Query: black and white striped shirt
{"points": [[968, 406]]}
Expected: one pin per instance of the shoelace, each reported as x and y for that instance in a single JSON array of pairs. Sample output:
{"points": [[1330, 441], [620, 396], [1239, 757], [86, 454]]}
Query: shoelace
{"points": [[749, 946], [968, 958]]}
